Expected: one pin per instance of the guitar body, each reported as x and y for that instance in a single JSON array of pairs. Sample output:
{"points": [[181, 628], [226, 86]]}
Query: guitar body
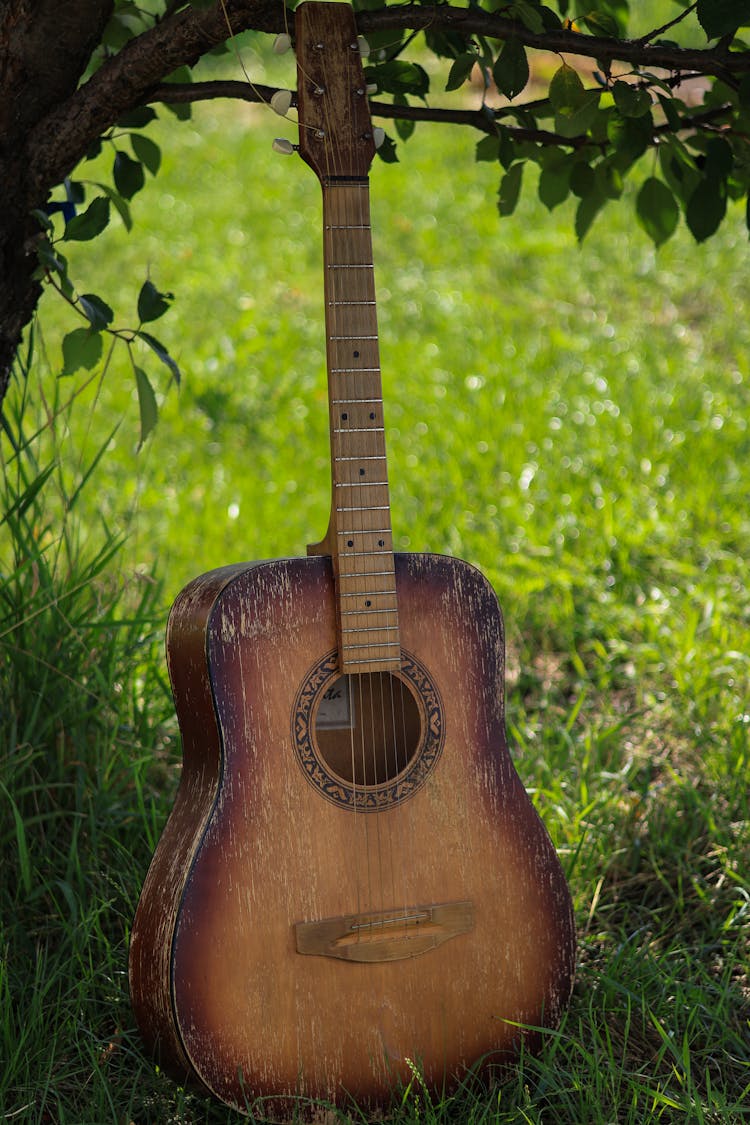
{"points": [[239, 977]]}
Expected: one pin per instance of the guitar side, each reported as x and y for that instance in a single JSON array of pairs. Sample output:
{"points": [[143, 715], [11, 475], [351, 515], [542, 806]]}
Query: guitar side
{"points": [[253, 849]]}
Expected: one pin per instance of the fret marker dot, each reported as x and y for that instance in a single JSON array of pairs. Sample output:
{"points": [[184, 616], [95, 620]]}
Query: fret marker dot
{"points": [[350, 542], [344, 417], [381, 542], [361, 472], [356, 355], [372, 415], [368, 603]]}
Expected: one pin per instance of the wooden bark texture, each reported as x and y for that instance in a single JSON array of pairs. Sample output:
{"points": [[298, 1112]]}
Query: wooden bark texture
{"points": [[252, 849]]}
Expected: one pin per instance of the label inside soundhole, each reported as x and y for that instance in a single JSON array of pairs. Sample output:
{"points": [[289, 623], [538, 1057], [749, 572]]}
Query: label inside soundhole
{"points": [[336, 707], [368, 741]]}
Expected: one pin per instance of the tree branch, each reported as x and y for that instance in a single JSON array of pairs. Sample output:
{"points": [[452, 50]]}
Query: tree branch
{"points": [[61, 138], [131, 77], [484, 119], [717, 61]]}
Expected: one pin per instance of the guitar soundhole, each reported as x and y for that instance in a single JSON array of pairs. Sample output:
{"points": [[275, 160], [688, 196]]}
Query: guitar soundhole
{"points": [[368, 728], [368, 742]]}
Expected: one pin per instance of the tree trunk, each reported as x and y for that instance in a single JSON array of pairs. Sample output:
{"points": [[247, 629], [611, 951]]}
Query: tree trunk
{"points": [[51, 111], [45, 47]]}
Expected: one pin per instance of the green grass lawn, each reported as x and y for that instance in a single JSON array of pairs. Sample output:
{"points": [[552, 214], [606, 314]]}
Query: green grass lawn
{"points": [[574, 421]]}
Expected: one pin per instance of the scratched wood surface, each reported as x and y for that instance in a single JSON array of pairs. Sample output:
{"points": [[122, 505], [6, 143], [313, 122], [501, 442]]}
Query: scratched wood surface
{"points": [[252, 849]]}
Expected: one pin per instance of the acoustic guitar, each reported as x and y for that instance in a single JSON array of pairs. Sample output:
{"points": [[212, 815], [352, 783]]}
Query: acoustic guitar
{"points": [[353, 884]]}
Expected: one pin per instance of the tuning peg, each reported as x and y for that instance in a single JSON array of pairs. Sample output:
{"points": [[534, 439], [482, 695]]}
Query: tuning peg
{"points": [[282, 43], [378, 136], [371, 88], [281, 101], [364, 46], [283, 146]]}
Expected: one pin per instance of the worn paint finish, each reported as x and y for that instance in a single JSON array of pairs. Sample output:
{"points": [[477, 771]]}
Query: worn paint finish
{"points": [[251, 849]]}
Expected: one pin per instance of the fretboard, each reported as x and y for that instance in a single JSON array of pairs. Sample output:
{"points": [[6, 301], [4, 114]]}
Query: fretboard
{"points": [[359, 537]]}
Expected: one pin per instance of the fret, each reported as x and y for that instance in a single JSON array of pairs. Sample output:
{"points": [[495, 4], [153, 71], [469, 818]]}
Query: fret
{"points": [[370, 554], [364, 574], [352, 337], [358, 430], [361, 612], [367, 508], [355, 371], [360, 483], [376, 659], [344, 304], [368, 594], [363, 457], [350, 266], [366, 530]]}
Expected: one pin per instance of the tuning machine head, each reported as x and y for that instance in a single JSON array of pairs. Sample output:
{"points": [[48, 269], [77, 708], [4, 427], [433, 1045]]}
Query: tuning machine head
{"points": [[283, 147]]}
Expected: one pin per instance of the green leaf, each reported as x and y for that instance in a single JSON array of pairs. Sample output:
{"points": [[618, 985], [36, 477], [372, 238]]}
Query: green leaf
{"points": [[582, 179], [90, 223], [97, 312], [400, 77], [529, 14], [629, 136], [128, 175], [630, 101], [510, 189], [706, 208], [51, 258], [508, 148], [405, 127], [487, 149], [719, 159], [147, 151], [657, 210], [579, 121], [158, 348], [137, 118], [671, 110], [461, 69], [151, 303], [554, 183], [566, 90], [81, 348], [722, 17], [147, 407], [511, 69], [616, 11], [120, 205], [387, 151], [601, 24], [588, 209]]}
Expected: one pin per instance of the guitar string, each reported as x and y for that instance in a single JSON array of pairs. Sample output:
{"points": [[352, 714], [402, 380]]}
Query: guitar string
{"points": [[333, 204], [382, 681], [354, 196]]}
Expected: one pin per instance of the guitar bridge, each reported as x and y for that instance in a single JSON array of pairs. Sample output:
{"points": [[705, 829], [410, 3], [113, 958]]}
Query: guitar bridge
{"points": [[385, 935]]}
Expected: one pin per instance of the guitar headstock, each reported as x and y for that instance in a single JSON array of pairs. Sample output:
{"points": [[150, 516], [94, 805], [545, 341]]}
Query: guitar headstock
{"points": [[335, 131]]}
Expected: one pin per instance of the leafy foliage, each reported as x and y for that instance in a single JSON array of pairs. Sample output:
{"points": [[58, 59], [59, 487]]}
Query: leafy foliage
{"points": [[668, 110]]}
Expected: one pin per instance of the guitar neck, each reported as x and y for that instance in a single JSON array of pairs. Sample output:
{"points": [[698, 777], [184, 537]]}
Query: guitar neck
{"points": [[359, 540]]}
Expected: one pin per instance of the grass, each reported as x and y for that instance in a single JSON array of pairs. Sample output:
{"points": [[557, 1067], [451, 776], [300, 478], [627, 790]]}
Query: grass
{"points": [[573, 421]]}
